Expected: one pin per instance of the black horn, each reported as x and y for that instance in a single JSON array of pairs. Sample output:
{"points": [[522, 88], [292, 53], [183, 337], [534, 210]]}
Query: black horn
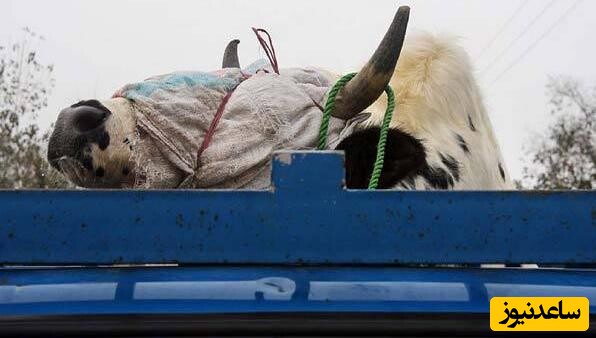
{"points": [[369, 84], [230, 59]]}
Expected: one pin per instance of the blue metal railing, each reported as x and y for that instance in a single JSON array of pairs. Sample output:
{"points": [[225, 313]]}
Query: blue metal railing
{"points": [[306, 246], [306, 218]]}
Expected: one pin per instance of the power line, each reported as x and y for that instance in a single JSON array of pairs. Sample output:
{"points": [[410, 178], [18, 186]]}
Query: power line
{"points": [[519, 36], [537, 41], [513, 16]]}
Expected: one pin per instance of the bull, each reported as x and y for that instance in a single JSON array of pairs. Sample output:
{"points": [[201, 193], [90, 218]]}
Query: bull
{"points": [[152, 134]]}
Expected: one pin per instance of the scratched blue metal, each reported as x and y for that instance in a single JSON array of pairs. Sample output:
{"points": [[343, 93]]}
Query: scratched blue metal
{"points": [[306, 218], [229, 289]]}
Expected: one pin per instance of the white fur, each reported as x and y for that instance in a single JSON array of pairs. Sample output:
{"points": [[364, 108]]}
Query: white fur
{"points": [[121, 126], [435, 92]]}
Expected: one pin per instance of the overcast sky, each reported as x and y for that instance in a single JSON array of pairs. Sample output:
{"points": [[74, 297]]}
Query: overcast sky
{"points": [[99, 45]]}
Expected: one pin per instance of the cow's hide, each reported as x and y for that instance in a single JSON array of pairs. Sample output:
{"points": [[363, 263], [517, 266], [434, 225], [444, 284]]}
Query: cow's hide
{"points": [[439, 103]]}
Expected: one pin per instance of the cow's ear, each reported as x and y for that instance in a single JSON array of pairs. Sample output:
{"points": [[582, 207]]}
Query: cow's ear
{"points": [[404, 157]]}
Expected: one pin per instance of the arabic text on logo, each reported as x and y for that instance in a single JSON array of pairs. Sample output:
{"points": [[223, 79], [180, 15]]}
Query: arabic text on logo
{"points": [[539, 314]]}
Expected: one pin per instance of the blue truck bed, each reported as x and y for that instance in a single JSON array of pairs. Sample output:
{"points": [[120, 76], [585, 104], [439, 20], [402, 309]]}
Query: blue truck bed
{"points": [[306, 255]]}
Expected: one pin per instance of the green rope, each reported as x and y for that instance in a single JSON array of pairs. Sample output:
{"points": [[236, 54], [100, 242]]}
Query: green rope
{"points": [[329, 106], [324, 130], [374, 179]]}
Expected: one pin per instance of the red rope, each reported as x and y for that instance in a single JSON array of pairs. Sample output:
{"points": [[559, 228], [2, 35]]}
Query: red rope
{"points": [[270, 52], [268, 48], [214, 123]]}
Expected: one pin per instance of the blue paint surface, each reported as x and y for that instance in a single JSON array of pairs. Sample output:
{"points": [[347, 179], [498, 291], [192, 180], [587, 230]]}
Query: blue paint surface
{"points": [[307, 218], [232, 289], [355, 238]]}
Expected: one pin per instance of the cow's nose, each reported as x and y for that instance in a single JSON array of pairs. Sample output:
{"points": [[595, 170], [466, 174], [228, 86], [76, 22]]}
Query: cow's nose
{"points": [[86, 118], [77, 127]]}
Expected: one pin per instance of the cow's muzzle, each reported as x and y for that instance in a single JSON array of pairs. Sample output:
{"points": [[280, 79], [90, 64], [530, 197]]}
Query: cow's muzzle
{"points": [[76, 129]]}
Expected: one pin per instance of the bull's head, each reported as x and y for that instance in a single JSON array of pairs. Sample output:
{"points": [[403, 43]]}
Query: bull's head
{"points": [[94, 143]]}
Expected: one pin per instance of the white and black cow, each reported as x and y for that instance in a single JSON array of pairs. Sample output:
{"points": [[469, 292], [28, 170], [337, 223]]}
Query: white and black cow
{"points": [[440, 137]]}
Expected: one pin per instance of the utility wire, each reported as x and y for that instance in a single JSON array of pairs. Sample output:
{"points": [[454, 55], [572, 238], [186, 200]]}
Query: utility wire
{"points": [[513, 16], [519, 36], [537, 41]]}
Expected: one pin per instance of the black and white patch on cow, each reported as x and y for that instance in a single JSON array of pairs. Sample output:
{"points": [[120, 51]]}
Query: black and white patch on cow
{"points": [[405, 158], [92, 143], [438, 109]]}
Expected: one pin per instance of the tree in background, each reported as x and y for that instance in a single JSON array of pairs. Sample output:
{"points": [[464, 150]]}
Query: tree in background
{"points": [[25, 84], [565, 157]]}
